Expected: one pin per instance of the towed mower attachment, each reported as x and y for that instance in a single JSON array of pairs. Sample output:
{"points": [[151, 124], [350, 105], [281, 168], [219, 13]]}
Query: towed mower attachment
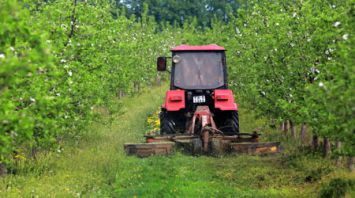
{"points": [[244, 143]]}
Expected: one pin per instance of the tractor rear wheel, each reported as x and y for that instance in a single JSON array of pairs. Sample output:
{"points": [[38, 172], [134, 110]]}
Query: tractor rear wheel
{"points": [[231, 125], [167, 124]]}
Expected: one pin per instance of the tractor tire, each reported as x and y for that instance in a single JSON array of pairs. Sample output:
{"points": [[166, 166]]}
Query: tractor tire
{"points": [[231, 126], [167, 124]]}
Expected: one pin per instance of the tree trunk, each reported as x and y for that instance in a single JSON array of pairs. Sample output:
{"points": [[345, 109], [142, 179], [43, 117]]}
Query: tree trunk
{"points": [[3, 169], [293, 129], [136, 87], [273, 123], [158, 80], [286, 127], [339, 158], [315, 142], [34, 152], [72, 23], [351, 163], [303, 133], [326, 147], [282, 126]]}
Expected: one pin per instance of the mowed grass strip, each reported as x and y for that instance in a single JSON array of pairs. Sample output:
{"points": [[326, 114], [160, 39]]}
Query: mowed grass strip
{"points": [[98, 167]]}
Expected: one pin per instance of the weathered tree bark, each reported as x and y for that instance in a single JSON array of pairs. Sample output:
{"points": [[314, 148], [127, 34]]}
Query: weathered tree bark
{"points": [[326, 147], [293, 129], [339, 159], [351, 163], [3, 169], [303, 133], [315, 142]]}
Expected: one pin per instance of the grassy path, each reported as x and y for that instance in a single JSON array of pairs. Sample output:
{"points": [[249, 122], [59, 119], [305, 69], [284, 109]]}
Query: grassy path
{"points": [[97, 167]]}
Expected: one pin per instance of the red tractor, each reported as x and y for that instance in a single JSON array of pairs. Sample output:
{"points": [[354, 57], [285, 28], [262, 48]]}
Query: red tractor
{"points": [[199, 94], [199, 113]]}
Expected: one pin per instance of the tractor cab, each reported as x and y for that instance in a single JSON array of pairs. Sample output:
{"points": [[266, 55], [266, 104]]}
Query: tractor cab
{"points": [[197, 67]]}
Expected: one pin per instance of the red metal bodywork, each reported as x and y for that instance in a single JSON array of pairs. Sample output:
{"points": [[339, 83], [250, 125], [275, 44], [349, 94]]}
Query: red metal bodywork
{"points": [[224, 100], [204, 114], [174, 100], [211, 47]]}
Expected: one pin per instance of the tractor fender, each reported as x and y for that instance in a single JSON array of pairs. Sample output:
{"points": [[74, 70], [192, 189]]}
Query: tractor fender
{"points": [[174, 100], [224, 100]]}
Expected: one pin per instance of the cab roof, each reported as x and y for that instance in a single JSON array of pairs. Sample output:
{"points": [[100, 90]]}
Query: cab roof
{"points": [[211, 47]]}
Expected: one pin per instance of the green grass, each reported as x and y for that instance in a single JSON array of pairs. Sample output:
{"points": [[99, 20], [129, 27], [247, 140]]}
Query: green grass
{"points": [[98, 167]]}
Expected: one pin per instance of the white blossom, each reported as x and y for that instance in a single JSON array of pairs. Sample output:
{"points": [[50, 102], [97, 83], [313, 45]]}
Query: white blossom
{"points": [[2, 56], [327, 52], [63, 61], [92, 108], [63, 26], [289, 33], [32, 99], [277, 24], [321, 84], [345, 36], [333, 6], [336, 24], [12, 48], [309, 40], [237, 30], [70, 73], [292, 44], [57, 94], [329, 58], [66, 66], [294, 14], [315, 70]]}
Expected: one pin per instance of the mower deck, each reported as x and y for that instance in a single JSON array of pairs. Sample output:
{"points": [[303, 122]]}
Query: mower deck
{"points": [[244, 143]]}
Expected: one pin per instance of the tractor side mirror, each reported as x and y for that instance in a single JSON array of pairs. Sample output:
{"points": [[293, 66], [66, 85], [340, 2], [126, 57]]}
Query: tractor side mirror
{"points": [[161, 63]]}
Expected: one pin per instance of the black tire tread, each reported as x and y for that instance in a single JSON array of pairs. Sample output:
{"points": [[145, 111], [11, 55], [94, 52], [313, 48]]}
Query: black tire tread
{"points": [[232, 124], [167, 125]]}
